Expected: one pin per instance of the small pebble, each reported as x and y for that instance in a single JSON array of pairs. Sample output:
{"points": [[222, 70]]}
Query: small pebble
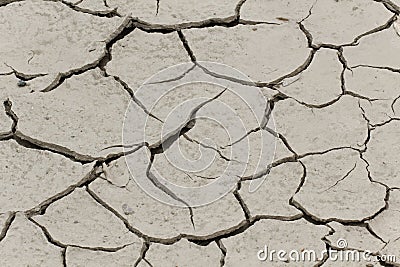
{"points": [[127, 210], [21, 83]]}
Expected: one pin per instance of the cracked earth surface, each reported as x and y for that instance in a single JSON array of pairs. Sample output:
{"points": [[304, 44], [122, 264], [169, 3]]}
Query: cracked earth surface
{"points": [[329, 71]]}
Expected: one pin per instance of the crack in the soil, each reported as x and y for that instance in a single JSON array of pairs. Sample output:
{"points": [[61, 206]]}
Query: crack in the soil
{"points": [[7, 225], [393, 103], [132, 95], [241, 201], [200, 240], [166, 190], [376, 67], [270, 104], [314, 218], [6, 2], [224, 251], [64, 257], [221, 155], [177, 78], [302, 179], [47, 234], [356, 40], [186, 46], [99, 13], [341, 179], [10, 113], [24, 76], [57, 243], [32, 143], [392, 7], [369, 128], [166, 142], [385, 122], [157, 6], [123, 29], [293, 158], [142, 256], [41, 208]]}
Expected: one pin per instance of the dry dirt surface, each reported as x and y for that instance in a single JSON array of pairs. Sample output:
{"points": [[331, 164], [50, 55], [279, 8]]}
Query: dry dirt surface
{"points": [[327, 75]]}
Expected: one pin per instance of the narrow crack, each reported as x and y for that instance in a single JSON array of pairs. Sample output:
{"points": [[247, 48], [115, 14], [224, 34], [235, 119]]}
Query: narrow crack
{"points": [[32, 143], [200, 240], [294, 158], [177, 78], [57, 243], [6, 136], [355, 41], [64, 257], [253, 22], [7, 225], [173, 136], [270, 104], [303, 177], [24, 76], [62, 76], [283, 139], [315, 219], [341, 179], [298, 70], [369, 128], [272, 84], [392, 7], [166, 142], [377, 67], [393, 103], [157, 6], [328, 247], [41, 208], [143, 251], [232, 79], [345, 67], [221, 155], [3, 3], [242, 203], [385, 122], [380, 28], [235, 230], [133, 97], [126, 222], [47, 234], [29, 142], [186, 46], [166, 190], [100, 13], [10, 113], [124, 29], [224, 251]]}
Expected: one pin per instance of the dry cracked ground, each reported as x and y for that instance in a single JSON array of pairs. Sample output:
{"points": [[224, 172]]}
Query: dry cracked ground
{"points": [[330, 70]]}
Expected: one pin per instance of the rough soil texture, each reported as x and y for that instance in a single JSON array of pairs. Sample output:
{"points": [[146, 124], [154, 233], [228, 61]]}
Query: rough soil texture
{"points": [[69, 71]]}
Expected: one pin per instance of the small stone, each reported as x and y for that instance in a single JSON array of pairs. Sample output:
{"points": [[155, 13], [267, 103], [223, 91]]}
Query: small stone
{"points": [[21, 83], [127, 210]]}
